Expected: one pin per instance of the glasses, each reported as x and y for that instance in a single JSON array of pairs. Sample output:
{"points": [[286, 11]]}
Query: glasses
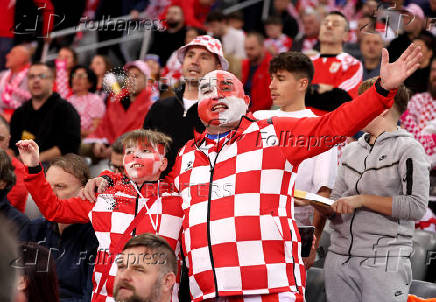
{"points": [[115, 168], [41, 76]]}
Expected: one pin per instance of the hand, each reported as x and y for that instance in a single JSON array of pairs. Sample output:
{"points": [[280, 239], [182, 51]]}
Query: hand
{"points": [[346, 205], [89, 191], [324, 88], [301, 202], [308, 261], [393, 74], [29, 152]]}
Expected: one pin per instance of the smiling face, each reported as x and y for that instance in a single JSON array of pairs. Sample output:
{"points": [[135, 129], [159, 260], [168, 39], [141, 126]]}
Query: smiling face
{"points": [[222, 102], [144, 162]]}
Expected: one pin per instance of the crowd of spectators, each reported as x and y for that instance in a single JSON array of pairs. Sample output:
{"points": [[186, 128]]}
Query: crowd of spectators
{"points": [[77, 105]]}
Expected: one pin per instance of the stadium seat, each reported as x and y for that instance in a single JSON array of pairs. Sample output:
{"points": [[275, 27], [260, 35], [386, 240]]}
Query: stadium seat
{"points": [[424, 255]]}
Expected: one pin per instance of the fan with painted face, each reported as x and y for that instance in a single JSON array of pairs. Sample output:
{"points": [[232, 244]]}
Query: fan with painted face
{"points": [[221, 101], [144, 161]]}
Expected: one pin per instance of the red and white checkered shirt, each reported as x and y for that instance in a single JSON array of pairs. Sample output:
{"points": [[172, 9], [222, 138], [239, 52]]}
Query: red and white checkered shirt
{"points": [[111, 215], [89, 107], [239, 233], [282, 44], [420, 111], [340, 71]]}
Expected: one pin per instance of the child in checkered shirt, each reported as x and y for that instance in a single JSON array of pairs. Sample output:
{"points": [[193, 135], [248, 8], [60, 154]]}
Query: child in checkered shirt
{"points": [[128, 203], [276, 42]]}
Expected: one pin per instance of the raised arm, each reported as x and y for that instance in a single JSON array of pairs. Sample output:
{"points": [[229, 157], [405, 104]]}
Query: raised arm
{"points": [[307, 137], [73, 210]]}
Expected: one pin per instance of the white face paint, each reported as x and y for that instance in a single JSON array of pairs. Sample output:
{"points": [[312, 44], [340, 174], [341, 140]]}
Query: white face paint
{"points": [[221, 99], [142, 161]]}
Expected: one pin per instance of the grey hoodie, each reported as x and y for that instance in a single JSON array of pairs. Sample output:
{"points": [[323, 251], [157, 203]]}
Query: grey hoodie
{"points": [[396, 165]]}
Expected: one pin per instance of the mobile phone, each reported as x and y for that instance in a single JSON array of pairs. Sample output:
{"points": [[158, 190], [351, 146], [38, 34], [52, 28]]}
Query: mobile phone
{"points": [[306, 235]]}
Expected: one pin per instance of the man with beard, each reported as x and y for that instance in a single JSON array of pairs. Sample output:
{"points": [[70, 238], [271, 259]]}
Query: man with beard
{"points": [[420, 116], [165, 42], [147, 270], [177, 116]]}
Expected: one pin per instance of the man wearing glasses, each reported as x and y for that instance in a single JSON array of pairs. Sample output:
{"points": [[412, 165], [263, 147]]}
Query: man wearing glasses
{"points": [[46, 118]]}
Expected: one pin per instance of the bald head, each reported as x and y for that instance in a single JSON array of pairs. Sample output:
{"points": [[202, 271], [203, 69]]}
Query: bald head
{"points": [[17, 58]]}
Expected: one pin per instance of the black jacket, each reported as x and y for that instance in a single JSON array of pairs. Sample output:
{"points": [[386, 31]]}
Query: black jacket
{"points": [[56, 123], [169, 116]]}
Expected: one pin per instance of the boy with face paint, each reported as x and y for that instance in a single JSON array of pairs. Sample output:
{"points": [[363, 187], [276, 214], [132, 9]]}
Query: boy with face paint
{"points": [[133, 202], [240, 237]]}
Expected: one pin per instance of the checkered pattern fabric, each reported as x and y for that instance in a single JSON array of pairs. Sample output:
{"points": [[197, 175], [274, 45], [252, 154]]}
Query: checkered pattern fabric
{"points": [[281, 44], [61, 82], [89, 107], [420, 111], [110, 216], [212, 45], [239, 233], [276, 297], [252, 246], [342, 71], [172, 73]]}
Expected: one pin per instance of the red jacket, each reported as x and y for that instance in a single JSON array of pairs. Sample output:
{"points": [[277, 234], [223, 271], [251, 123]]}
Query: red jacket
{"points": [[18, 194], [239, 233], [259, 95], [113, 217], [118, 121]]}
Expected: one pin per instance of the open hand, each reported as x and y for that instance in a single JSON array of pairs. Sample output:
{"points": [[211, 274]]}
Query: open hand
{"points": [[393, 74]]}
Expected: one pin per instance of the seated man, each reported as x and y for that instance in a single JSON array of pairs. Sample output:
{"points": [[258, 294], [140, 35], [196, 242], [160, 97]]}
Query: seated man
{"points": [[13, 84], [153, 255], [46, 118], [73, 246], [132, 203]]}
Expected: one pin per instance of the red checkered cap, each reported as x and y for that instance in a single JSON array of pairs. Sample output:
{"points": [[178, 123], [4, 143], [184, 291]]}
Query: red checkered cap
{"points": [[212, 45], [141, 65]]}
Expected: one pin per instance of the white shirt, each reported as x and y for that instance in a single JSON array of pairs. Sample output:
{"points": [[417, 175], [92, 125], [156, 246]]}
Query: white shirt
{"points": [[188, 103], [313, 173], [233, 43]]}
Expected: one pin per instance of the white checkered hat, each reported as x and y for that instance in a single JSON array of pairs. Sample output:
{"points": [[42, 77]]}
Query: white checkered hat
{"points": [[141, 65], [212, 45]]}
